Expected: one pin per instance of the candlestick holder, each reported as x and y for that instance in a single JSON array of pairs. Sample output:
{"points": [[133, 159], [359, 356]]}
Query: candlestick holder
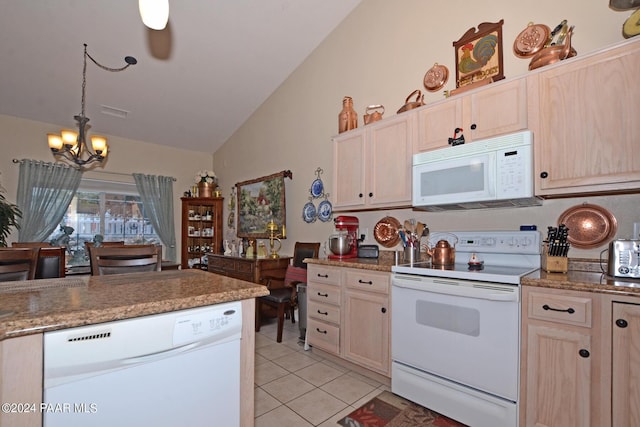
{"points": [[274, 238]]}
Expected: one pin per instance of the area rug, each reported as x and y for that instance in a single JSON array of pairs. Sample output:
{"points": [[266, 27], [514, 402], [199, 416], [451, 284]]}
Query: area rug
{"points": [[389, 410]]}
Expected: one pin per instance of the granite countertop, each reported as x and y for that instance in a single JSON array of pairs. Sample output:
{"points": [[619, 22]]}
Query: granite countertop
{"points": [[583, 274], [36, 306], [383, 263]]}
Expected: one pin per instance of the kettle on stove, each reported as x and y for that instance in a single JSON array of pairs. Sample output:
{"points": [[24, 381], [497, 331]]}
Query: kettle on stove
{"points": [[443, 252]]}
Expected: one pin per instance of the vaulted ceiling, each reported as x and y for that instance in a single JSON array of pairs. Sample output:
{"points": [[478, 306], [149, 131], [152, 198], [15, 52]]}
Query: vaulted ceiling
{"points": [[195, 82]]}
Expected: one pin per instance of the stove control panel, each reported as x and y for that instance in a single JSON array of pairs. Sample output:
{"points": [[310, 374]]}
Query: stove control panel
{"points": [[504, 242]]}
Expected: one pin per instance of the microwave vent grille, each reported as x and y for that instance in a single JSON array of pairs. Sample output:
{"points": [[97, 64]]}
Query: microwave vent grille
{"points": [[493, 204]]}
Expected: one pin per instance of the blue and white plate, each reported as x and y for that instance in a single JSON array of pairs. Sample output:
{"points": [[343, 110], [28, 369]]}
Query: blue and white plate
{"points": [[325, 210], [309, 213], [317, 188]]}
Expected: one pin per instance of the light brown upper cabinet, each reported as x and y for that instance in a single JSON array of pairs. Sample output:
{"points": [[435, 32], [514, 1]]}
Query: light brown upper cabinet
{"points": [[492, 110], [372, 165], [584, 114]]}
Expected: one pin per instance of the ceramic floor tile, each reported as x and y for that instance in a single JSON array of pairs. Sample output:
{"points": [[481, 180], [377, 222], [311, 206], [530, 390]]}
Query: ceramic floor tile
{"points": [[264, 402], [268, 372], [281, 417], [263, 340], [288, 388], [274, 351], [367, 397], [259, 360], [316, 406], [294, 362], [347, 388], [318, 373], [333, 421], [365, 379]]}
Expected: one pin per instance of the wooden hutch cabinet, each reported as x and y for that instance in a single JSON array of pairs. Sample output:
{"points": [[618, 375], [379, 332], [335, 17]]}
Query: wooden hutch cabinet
{"points": [[201, 230]]}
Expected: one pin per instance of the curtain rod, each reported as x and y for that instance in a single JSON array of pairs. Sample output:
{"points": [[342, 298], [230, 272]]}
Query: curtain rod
{"points": [[130, 175]]}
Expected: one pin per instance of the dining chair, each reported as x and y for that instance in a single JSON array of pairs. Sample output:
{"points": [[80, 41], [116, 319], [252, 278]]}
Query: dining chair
{"points": [[125, 259], [18, 263], [51, 259], [89, 245], [283, 295]]}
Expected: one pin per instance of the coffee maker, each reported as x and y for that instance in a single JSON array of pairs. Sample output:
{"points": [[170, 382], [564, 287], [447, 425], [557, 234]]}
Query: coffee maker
{"points": [[348, 224]]}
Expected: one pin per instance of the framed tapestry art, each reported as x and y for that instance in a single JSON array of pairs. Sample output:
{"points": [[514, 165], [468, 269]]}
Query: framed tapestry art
{"points": [[479, 54], [261, 200]]}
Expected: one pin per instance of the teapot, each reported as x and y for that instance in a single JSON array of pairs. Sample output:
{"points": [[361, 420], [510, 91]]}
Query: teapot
{"points": [[443, 252]]}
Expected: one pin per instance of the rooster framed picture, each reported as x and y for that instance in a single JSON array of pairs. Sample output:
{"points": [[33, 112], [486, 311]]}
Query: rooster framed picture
{"points": [[479, 55]]}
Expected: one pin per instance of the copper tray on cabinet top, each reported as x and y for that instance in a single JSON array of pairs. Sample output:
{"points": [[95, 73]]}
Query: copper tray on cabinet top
{"points": [[589, 225], [531, 40], [386, 232]]}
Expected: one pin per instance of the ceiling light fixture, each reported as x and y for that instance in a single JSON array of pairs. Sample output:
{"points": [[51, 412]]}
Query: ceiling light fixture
{"points": [[71, 145], [154, 13]]}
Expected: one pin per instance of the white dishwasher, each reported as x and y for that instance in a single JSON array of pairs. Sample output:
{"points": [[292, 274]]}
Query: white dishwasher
{"points": [[178, 368]]}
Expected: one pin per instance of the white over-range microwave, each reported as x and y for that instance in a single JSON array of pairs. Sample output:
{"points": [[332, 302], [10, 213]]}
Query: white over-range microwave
{"points": [[490, 173]]}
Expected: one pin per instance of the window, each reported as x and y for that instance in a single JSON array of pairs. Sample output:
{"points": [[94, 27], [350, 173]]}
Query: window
{"points": [[117, 214]]}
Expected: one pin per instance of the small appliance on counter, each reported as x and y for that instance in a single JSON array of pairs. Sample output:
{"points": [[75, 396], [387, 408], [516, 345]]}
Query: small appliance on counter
{"points": [[624, 258], [344, 244]]}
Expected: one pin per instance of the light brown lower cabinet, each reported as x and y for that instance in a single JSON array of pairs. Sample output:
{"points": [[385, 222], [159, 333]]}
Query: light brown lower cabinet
{"points": [[625, 363], [580, 359], [348, 315]]}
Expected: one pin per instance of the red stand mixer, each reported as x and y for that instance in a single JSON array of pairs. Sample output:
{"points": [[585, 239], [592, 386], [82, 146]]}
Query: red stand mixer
{"points": [[347, 236]]}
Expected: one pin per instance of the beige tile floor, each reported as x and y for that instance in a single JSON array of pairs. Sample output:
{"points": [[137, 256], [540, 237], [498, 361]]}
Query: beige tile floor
{"points": [[297, 388]]}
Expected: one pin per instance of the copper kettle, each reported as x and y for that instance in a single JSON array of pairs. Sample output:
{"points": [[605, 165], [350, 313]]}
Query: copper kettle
{"points": [[373, 114], [443, 252], [552, 54], [410, 105]]}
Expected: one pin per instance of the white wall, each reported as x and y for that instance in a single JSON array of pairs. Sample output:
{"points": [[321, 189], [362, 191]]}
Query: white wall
{"points": [[26, 139], [378, 55]]}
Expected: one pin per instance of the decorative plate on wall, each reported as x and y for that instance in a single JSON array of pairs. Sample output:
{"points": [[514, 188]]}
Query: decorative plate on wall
{"points": [[386, 232], [589, 225], [325, 209], [309, 213]]}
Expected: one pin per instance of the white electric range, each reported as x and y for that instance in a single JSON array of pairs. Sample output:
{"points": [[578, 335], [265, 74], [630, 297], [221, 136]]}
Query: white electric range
{"points": [[456, 329]]}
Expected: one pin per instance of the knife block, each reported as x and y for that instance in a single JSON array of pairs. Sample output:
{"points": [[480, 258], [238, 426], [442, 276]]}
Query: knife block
{"points": [[554, 264]]}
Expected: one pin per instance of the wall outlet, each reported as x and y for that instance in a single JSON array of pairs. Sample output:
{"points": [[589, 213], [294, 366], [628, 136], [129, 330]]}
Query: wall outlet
{"points": [[636, 230]]}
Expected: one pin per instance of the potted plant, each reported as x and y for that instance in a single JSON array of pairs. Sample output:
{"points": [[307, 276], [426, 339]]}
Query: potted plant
{"points": [[9, 215]]}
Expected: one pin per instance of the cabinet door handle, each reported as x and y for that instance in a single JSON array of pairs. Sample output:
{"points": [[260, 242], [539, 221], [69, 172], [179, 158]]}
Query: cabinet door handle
{"points": [[360, 195], [621, 323], [544, 175], [473, 126], [324, 313], [323, 275], [322, 295], [584, 353], [322, 332], [384, 310], [365, 282], [370, 194], [568, 310]]}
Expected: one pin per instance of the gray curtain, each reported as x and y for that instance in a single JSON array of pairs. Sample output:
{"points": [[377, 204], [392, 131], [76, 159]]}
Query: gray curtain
{"points": [[156, 193], [44, 193]]}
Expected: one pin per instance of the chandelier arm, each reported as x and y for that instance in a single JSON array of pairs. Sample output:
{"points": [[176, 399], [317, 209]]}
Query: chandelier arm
{"points": [[81, 154]]}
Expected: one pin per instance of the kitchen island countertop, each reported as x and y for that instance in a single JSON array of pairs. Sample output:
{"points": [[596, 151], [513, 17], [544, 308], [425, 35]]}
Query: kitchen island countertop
{"points": [[37, 306]]}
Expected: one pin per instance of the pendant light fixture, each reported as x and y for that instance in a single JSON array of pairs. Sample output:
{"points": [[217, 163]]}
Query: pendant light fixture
{"points": [[154, 13], [71, 145]]}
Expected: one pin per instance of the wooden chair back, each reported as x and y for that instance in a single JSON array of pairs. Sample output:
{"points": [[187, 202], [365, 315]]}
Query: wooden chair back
{"points": [[89, 245], [51, 259], [304, 250], [125, 259], [18, 263]]}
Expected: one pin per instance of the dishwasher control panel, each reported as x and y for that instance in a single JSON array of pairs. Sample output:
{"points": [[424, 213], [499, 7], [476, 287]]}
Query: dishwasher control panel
{"points": [[220, 320]]}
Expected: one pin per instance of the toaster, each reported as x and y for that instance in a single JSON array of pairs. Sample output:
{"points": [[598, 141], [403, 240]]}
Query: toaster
{"points": [[368, 251], [624, 257]]}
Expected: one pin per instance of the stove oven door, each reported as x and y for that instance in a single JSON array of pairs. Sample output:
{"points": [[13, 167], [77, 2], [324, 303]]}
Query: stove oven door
{"points": [[458, 330]]}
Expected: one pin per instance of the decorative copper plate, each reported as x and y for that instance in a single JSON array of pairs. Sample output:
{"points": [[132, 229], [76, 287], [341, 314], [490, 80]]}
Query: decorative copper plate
{"points": [[531, 40], [589, 225], [436, 77], [386, 231]]}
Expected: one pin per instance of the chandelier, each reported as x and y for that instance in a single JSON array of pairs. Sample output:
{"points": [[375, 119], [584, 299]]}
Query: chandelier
{"points": [[71, 145]]}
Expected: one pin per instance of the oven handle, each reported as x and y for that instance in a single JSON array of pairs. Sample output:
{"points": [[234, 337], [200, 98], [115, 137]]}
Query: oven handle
{"points": [[481, 290]]}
